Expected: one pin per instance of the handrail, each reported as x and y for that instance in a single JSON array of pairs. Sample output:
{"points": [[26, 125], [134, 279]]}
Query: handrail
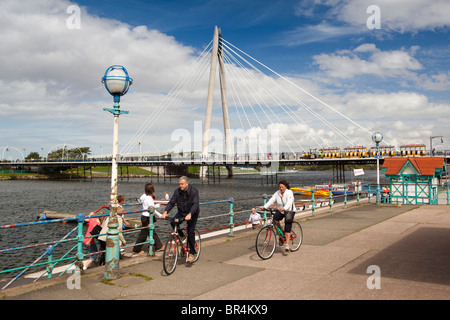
{"points": [[231, 224]]}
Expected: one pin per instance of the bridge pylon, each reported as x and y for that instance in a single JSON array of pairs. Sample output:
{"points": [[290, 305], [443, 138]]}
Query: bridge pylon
{"points": [[216, 57]]}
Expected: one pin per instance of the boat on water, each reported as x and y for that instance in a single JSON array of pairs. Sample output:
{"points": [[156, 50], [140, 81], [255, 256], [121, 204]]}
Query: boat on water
{"points": [[323, 190], [340, 189], [308, 192]]}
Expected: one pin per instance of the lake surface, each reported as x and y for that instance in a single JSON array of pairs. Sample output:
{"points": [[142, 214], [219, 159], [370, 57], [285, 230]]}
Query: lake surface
{"points": [[22, 200]]}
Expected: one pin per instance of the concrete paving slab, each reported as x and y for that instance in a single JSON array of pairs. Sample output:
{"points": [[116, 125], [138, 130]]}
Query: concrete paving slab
{"points": [[390, 227], [309, 259], [185, 282], [438, 214], [265, 285], [422, 255]]}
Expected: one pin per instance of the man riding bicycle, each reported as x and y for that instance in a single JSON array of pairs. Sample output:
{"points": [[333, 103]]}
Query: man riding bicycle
{"points": [[187, 201]]}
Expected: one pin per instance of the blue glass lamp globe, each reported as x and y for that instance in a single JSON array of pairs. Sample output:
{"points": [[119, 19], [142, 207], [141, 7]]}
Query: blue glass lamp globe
{"points": [[117, 81], [377, 137]]}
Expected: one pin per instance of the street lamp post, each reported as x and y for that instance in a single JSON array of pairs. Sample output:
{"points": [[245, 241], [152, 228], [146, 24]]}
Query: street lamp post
{"points": [[431, 143], [117, 82], [377, 137]]}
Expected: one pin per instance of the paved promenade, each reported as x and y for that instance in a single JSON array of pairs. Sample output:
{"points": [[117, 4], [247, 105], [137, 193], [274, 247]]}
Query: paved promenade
{"points": [[408, 246]]}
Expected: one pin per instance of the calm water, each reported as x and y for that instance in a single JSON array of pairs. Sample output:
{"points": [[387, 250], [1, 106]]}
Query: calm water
{"points": [[22, 201]]}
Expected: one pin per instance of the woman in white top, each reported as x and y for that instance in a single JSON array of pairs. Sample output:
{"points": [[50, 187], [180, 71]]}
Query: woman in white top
{"points": [[147, 202], [284, 198]]}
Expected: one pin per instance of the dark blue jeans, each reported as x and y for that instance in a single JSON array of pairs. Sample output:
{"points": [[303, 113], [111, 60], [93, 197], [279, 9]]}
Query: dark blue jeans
{"points": [[190, 229]]}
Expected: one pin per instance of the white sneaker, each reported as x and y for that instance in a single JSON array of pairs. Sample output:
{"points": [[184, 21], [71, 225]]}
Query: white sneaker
{"points": [[190, 258], [286, 247]]}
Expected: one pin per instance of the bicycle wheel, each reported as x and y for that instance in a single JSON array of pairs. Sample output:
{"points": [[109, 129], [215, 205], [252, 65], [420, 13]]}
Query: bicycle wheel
{"points": [[170, 255], [198, 245], [266, 243], [296, 236]]}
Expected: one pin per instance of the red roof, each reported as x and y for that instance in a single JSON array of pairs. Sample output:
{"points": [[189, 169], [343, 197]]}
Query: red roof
{"points": [[425, 166]]}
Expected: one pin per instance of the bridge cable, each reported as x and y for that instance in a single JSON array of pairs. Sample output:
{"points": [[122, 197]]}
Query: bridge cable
{"points": [[260, 84], [309, 94]]}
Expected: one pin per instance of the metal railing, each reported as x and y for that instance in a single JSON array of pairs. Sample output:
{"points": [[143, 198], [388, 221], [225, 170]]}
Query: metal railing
{"points": [[224, 220]]}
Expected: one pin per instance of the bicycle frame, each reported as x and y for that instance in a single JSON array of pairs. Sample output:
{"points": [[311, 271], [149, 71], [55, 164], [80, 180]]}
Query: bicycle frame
{"points": [[276, 226], [175, 248], [266, 241], [177, 238]]}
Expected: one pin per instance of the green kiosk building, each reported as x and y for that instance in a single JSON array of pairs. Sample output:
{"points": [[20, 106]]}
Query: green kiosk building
{"points": [[414, 180]]}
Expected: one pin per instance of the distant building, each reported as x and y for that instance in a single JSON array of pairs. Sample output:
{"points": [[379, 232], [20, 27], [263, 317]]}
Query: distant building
{"points": [[414, 180]]}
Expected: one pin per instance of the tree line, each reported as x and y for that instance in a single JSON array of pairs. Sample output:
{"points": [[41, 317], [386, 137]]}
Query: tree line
{"points": [[61, 154]]}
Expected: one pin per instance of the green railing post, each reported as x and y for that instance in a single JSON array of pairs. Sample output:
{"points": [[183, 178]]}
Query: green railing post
{"points": [[369, 193], [231, 217], [330, 202], [265, 211], [406, 196], [357, 194], [448, 194], [151, 227], [345, 197], [313, 202], [80, 237], [49, 268]]}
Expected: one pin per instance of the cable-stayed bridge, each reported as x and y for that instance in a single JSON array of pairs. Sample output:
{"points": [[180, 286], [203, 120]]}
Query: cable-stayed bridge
{"points": [[230, 109], [259, 112]]}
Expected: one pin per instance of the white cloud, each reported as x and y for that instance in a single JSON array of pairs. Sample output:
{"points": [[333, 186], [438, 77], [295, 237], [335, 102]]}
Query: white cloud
{"points": [[344, 18], [394, 105], [347, 64], [399, 15], [52, 73], [396, 65], [314, 33], [437, 82]]}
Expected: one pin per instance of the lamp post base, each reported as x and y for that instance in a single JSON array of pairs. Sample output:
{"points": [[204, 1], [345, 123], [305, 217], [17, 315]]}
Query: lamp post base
{"points": [[112, 249]]}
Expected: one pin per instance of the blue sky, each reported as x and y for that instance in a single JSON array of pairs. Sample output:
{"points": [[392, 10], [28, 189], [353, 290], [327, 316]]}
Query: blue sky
{"points": [[395, 79]]}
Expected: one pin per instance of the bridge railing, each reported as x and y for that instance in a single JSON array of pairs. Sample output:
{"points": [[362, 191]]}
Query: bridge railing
{"points": [[196, 157], [226, 217]]}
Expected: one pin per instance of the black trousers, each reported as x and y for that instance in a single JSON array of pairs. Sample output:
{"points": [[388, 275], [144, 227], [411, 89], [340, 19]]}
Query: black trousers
{"points": [[190, 228], [101, 257], [144, 234]]}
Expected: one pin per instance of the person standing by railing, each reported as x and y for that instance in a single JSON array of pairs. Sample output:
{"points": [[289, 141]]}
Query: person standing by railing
{"points": [[120, 202], [254, 219], [94, 228], [147, 202]]}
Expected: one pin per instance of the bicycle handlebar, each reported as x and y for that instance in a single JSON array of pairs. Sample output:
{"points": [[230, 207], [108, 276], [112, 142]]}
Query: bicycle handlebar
{"points": [[262, 212], [177, 220]]}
